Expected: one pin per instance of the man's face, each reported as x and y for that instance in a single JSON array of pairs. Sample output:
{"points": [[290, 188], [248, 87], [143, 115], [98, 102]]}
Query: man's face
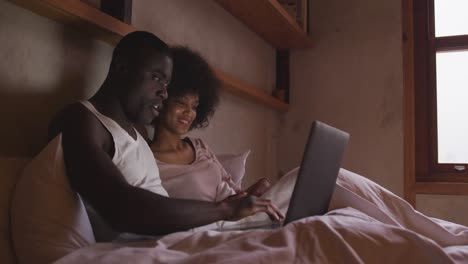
{"points": [[147, 88]]}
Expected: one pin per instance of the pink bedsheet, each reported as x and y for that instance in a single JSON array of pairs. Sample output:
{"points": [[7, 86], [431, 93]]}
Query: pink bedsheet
{"points": [[366, 224]]}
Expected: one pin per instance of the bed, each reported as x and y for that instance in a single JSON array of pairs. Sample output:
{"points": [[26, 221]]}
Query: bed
{"points": [[365, 224]]}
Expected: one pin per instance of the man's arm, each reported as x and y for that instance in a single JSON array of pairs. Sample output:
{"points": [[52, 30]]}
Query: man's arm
{"points": [[259, 188], [86, 147]]}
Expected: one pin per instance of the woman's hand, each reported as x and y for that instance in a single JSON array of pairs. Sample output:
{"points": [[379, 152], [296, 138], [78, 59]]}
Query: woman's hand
{"points": [[259, 188]]}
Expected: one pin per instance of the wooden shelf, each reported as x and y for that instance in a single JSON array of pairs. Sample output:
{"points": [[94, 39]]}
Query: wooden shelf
{"points": [[81, 15], [251, 93], [270, 21], [107, 28]]}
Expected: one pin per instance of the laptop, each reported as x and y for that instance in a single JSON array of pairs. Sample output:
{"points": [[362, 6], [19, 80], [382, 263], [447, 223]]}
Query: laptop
{"points": [[316, 178]]}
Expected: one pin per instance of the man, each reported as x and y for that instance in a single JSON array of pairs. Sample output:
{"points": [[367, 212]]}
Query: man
{"points": [[110, 165]]}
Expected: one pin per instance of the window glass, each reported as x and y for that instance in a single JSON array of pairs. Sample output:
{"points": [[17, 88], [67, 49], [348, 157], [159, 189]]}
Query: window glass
{"points": [[451, 17], [452, 106]]}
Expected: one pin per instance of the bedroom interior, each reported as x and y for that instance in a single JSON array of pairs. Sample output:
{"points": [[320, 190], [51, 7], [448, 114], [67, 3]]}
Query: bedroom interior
{"points": [[349, 68]]}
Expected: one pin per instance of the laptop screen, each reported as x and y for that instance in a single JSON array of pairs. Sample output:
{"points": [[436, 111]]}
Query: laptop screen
{"points": [[320, 165]]}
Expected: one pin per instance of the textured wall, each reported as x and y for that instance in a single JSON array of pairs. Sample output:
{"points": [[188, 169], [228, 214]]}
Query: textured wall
{"points": [[448, 207], [43, 66], [351, 79]]}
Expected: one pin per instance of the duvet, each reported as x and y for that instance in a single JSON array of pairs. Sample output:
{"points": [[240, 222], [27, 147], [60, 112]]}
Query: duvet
{"points": [[365, 224]]}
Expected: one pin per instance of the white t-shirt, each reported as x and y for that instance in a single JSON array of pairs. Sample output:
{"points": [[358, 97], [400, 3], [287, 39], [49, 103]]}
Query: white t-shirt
{"points": [[133, 157]]}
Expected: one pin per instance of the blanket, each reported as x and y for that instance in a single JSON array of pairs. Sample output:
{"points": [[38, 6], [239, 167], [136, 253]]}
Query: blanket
{"points": [[366, 224]]}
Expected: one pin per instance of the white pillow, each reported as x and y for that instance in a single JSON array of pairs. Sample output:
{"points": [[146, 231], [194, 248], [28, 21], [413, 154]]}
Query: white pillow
{"points": [[234, 164], [48, 219]]}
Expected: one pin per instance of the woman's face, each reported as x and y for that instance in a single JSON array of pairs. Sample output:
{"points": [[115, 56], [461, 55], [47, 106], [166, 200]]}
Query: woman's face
{"points": [[180, 113]]}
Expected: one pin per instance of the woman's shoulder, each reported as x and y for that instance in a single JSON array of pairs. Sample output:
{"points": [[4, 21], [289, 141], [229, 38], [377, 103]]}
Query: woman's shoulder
{"points": [[196, 142], [199, 145]]}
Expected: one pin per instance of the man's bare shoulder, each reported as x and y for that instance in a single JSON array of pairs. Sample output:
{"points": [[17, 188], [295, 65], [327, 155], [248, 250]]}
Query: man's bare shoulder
{"points": [[71, 112], [77, 119]]}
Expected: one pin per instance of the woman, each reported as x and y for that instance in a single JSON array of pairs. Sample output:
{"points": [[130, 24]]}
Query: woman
{"points": [[193, 96]]}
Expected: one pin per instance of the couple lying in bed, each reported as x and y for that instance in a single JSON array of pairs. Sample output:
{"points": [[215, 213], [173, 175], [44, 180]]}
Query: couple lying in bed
{"points": [[96, 156]]}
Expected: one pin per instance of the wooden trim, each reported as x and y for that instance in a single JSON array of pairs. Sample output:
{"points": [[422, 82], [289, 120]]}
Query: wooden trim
{"points": [[251, 93], [431, 88], [451, 43], [419, 36], [450, 169], [81, 15], [443, 177], [441, 188], [110, 29], [409, 142], [270, 21]]}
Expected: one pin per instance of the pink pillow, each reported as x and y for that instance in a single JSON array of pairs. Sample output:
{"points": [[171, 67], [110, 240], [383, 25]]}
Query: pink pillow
{"points": [[234, 164], [10, 169]]}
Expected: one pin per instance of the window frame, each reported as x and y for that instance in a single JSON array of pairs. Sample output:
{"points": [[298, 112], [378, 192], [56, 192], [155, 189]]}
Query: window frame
{"points": [[416, 140], [426, 46]]}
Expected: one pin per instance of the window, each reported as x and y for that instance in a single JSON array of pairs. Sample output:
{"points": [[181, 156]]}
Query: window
{"points": [[440, 30]]}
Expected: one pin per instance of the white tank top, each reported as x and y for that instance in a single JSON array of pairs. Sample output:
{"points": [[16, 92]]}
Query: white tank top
{"points": [[133, 157]]}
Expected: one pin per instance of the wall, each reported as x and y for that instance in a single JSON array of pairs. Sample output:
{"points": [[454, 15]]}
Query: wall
{"points": [[351, 79], [45, 65], [448, 207]]}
